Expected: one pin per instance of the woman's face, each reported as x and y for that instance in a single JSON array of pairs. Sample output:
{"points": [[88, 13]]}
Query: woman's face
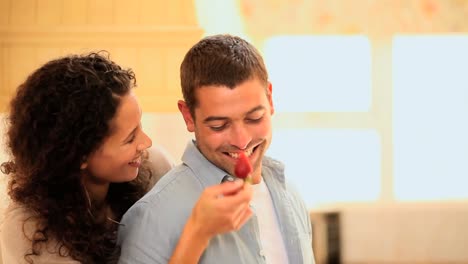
{"points": [[119, 157]]}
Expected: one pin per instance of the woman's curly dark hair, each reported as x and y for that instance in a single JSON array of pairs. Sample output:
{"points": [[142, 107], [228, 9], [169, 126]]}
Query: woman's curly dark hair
{"points": [[58, 116]]}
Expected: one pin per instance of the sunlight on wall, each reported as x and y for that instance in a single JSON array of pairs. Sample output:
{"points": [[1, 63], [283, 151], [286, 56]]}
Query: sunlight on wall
{"points": [[430, 112], [218, 17], [320, 73]]}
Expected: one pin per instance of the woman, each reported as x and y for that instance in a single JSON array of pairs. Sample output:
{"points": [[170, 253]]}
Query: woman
{"points": [[79, 162]]}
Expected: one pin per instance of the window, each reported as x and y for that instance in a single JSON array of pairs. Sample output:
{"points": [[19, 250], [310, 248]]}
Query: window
{"points": [[330, 165], [320, 73], [329, 158], [430, 117]]}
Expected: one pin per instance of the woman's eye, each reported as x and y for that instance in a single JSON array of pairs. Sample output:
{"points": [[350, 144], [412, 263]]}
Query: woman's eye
{"points": [[130, 140]]}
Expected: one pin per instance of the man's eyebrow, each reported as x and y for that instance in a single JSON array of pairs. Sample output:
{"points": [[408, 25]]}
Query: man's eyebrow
{"points": [[215, 118], [255, 109], [223, 118]]}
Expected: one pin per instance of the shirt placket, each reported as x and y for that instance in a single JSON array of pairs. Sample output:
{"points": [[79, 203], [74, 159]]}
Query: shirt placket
{"points": [[283, 208]]}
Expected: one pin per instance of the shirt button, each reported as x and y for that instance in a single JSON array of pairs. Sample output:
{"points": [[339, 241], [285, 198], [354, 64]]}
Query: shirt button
{"points": [[261, 253]]}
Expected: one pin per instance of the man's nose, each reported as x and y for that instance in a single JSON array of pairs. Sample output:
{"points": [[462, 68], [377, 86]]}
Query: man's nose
{"points": [[240, 137]]}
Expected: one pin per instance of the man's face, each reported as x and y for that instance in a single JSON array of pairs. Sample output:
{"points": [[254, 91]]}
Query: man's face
{"points": [[230, 121]]}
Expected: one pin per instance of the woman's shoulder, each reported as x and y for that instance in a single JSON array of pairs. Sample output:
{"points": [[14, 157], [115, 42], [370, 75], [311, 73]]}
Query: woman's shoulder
{"points": [[17, 229], [17, 218], [160, 162], [16, 232]]}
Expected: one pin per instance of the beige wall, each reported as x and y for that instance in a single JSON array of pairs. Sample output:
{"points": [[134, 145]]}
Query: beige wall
{"points": [[405, 233], [149, 36]]}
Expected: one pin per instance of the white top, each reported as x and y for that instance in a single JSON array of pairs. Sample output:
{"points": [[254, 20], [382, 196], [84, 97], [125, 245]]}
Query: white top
{"points": [[270, 236], [14, 243]]}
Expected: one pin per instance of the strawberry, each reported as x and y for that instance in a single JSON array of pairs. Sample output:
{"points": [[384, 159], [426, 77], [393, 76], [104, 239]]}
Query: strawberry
{"points": [[243, 167]]}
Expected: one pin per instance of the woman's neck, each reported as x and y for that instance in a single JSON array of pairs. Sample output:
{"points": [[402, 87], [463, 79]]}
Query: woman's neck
{"points": [[96, 190]]}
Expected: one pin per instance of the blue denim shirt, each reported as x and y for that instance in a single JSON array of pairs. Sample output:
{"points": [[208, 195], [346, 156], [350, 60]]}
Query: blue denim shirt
{"points": [[151, 228]]}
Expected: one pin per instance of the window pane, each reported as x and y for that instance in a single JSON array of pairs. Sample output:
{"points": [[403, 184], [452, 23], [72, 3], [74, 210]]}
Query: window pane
{"points": [[320, 73], [330, 165], [430, 113]]}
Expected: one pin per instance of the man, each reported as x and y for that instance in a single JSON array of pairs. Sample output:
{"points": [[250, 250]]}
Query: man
{"points": [[228, 105]]}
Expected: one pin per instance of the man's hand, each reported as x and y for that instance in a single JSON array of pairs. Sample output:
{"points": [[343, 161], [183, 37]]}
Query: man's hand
{"points": [[222, 208]]}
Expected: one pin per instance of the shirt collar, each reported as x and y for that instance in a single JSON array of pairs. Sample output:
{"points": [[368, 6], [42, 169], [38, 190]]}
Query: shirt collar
{"points": [[208, 173]]}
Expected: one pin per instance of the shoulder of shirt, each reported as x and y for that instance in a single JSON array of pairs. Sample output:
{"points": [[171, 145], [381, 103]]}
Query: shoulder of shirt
{"points": [[180, 178], [273, 164], [165, 207], [276, 169]]}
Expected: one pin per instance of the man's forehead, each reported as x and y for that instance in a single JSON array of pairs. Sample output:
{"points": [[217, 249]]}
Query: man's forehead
{"points": [[209, 116]]}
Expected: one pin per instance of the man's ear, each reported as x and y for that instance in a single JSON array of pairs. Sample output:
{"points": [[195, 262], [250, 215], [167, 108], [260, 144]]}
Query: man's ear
{"points": [[185, 111], [270, 98]]}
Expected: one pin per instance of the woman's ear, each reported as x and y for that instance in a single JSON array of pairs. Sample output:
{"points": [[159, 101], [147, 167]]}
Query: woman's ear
{"points": [[84, 163]]}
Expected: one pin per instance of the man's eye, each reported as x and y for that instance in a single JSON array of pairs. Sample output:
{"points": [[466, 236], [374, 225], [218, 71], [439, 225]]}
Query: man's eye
{"points": [[217, 128], [254, 120]]}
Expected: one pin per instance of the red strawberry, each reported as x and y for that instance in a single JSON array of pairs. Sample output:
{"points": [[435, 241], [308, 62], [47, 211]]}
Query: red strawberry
{"points": [[243, 167]]}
